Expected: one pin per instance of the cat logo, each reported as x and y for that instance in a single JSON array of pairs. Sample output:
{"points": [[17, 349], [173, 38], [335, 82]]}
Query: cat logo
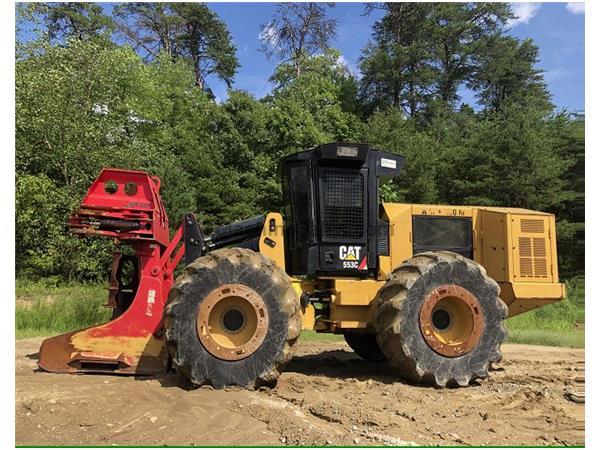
{"points": [[350, 254]]}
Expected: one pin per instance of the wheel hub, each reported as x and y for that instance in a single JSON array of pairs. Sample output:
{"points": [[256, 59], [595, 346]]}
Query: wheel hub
{"points": [[441, 319], [451, 320], [233, 319], [232, 322]]}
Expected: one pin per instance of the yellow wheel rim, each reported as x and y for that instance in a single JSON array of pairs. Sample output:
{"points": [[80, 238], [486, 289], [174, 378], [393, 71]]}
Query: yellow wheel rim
{"points": [[451, 320], [232, 322]]}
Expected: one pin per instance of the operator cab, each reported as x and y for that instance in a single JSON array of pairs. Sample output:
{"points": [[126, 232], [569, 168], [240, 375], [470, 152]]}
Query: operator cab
{"points": [[331, 210]]}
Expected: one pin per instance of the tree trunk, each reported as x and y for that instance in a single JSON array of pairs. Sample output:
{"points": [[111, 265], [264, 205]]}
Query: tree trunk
{"points": [[198, 76]]}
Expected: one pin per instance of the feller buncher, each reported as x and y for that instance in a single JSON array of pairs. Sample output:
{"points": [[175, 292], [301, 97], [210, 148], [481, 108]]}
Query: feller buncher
{"points": [[426, 287]]}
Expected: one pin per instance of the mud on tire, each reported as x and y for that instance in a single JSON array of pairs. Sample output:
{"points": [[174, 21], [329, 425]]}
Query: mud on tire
{"points": [[365, 345], [253, 271], [398, 313]]}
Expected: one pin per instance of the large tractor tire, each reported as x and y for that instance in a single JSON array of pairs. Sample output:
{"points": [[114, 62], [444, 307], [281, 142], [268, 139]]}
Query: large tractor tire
{"points": [[365, 345], [439, 320], [232, 318]]}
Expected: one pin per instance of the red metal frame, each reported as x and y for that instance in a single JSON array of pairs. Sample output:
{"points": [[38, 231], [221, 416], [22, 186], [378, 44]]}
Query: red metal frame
{"points": [[126, 206]]}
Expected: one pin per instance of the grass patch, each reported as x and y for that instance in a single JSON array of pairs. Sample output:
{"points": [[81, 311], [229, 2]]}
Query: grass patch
{"points": [[548, 318], [571, 338], [45, 308], [559, 324], [31, 333], [313, 336]]}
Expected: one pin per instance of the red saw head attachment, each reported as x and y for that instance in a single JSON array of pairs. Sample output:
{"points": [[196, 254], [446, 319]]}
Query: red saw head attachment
{"points": [[124, 205]]}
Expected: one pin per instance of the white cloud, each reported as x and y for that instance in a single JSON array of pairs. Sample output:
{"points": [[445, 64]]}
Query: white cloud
{"points": [[341, 61], [268, 35], [576, 7], [524, 12], [554, 74], [346, 65]]}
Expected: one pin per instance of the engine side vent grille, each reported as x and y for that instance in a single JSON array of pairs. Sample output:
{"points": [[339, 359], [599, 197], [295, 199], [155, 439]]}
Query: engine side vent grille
{"points": [[539, 247], [539, 257], [342, 194], [526, 268], [525, 247], [532, 226], [540, 268], [532, 257]]}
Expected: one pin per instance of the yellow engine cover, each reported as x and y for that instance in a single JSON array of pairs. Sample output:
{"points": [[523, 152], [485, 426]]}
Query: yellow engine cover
{"points": [[517, 247]]}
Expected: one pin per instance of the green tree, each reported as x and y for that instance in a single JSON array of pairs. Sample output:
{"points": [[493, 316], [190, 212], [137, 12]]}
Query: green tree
{"points": [[507, 73], [397, 67], [510, 158], [206, 43], [186, 30], [297, 32], [42, 245], [150, 28], [460, 33], [75, 110], [310, 109], [421, 53], [330, 66], [390, 130], [66, 20]]}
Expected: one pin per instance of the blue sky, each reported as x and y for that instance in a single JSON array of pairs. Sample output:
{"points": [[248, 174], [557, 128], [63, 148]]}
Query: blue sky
{"points": [[559, 31], [557, 28]]}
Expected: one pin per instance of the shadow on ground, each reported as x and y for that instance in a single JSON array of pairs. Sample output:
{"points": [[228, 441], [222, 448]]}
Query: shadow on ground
{"points": [[342, 364]]}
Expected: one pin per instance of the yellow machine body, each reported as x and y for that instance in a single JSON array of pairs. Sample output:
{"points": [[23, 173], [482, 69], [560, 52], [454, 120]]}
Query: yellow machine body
{"points": [[517, 247], [343, 248]]}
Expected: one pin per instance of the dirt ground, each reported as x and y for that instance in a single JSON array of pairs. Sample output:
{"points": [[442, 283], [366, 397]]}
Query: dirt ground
{"points": [[327, 396]]}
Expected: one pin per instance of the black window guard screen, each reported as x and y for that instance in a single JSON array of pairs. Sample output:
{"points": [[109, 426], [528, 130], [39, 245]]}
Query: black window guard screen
{"points": [[342, 204], [299, 193]]}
